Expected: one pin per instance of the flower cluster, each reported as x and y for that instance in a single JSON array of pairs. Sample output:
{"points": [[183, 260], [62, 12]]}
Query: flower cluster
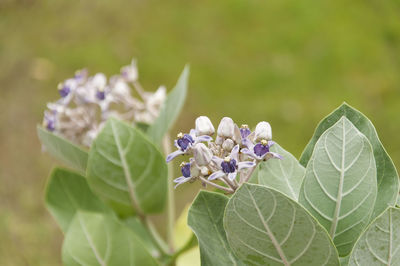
{"points": [[230, 158], [87, 101]]}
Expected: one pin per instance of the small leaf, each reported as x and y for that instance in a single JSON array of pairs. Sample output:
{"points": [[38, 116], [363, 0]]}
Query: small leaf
{"points": [[264, 227], [339, 187], [126, 169], [67, 193], [63, 150], [170, 109], [388, 179], [206, 220], [284, 175], [380, 243], [98, 239]]}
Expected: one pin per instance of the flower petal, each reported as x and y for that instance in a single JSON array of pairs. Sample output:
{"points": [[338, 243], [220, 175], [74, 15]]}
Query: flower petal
{"points": [[270, 155], [245, 165], [181, 180], [232, 176], [216, 175], [217, 161], [249, 153], [234, 152], [246, 142], [203, 138], [171, 156]]}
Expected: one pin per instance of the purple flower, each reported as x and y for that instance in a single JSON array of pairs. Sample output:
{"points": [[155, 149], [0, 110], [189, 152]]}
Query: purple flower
{"points": [[64, 90], [185, 142], [260, 151], [245, 131], [101, 95], [186, 174], [230, 166]]}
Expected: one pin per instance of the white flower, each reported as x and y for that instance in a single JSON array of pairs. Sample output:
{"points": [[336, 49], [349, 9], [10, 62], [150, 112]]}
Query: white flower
{"points": [[130, 73], [226, 127], [204, 126], [263, 131], [202, 155]]}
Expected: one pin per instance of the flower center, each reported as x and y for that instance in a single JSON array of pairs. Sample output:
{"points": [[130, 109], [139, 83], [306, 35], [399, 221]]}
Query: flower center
{"points": [[64, 91], [185, 169], [261, 148], [184, 141], [229, 165], [100, 94], [244, 131]]}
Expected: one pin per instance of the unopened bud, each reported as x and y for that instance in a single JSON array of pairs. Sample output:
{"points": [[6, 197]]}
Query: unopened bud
{"points": [[228, 145], [226, 127], [204, 126], [263, 131], [202, 155], [130, 73]]}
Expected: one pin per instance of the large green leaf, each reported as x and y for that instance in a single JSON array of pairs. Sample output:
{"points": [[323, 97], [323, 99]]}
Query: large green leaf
{"points": [[206, 220], [170, 109], [140, 230], [125, 168], [265, 227], [284, 175], [380, 243], [63, 150], [67, 193], [388, 179], [98, 239], [339, 187]]}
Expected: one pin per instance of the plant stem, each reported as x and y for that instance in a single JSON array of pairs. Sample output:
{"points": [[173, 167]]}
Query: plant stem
{"points": [[161, 245], [229, 190], [249, 174], [170, 197]]}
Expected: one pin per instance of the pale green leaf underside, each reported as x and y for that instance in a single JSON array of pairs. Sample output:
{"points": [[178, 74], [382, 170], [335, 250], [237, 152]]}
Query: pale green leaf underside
{"points": [[387, 177], [170, 109], [126, 168], [63, 150], [284, 175], [206, 220], [339, 187], [264, 227], [97, 239], [380, 243], [67, 193]]}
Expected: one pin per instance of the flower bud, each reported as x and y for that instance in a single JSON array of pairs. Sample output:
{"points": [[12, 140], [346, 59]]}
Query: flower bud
{"points": [[228, 145], [202, 155], [226, 127], [263, 131], [204, 126]]}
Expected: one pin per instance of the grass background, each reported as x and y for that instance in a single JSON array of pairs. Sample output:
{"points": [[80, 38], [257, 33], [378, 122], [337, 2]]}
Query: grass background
{"points": [[284, 61]]}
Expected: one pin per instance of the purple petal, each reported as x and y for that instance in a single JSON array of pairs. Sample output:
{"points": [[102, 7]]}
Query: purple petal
{"points": [[192, 133], [245, 165], [248, 152], [246, 142], [234, 152], [203, 138], [271, 142], [218, 161], [274, 155], [232, 176], [216, 175], [171, 156], [180, 180]]}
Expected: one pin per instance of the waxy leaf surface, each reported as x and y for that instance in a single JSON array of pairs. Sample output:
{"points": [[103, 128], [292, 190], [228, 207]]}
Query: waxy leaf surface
{"points": [[170, 109], [339, 188], [68, 192], [387, 177], [98, 239], [284, 175], [63, 150], [126, 169], [206, 220], [380, 243], [265, 227]]}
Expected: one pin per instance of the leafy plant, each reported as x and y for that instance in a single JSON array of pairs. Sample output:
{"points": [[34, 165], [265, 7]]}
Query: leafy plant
{"points": [[336, 206]]}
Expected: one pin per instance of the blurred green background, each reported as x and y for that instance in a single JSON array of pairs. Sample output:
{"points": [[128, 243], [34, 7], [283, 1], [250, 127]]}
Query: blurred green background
{"points": [[283, 61]]}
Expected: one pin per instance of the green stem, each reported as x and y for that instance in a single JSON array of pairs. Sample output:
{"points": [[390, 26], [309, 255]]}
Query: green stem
{"points": [[161, 245], [171, 198]]}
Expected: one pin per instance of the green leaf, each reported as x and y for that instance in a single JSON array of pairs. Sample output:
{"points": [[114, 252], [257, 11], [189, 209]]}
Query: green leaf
{"points": [[284, 175], [170, 109], [126, 169], [339, 187], [138, 228], [63, 150], [265, 227], [206, 220], [67, 193], [98, 239], [388, 179], [380, 243]]}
